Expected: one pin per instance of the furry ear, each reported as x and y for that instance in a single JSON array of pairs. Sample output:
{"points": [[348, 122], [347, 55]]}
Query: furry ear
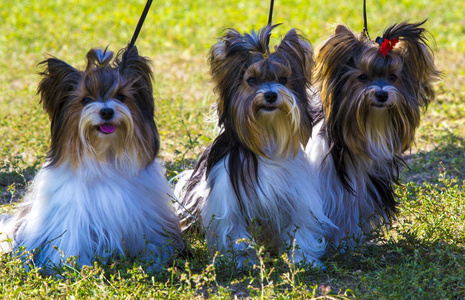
{"points": [[418, 57], [335, 51], [331, 56], [226, 59], [59, 81], [138, 70], [300, 51], [217, 57], [342, 29], [217, 53], [134, 67]]}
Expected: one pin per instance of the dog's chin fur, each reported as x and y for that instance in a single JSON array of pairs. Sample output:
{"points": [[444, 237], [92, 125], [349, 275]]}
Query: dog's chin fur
{"points": [[273, 134], [125, 150], [357, 144], [101, 191], [253, 178]]}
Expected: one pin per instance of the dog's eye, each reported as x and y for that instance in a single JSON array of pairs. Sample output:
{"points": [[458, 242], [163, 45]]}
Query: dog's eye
{"points": [[392, 77], [363, 78], [252, 81], [86, 101], [283, 80], [120, 98]]}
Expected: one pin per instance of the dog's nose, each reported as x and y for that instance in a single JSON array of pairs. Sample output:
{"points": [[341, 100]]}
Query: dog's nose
{"points": [[107, 113], [382, 96], [271, 97]]}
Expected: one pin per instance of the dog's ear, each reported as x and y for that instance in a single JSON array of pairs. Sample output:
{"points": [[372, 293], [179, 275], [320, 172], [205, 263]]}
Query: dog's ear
{"points": [[137, 71], [217, 53], [135, 67], [332, 55], [419, 66], [337, 49], [300, 51], [342, 29], [227, 59], [59, 81]]}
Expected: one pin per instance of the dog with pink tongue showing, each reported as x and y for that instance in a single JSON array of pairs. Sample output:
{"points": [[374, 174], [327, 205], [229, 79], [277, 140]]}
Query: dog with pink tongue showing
{"points": [[101, 190]]}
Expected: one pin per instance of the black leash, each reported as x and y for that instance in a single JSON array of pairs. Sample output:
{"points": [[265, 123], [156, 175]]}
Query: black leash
{"points": [[139, 25], [270, 17], [365, 23]]}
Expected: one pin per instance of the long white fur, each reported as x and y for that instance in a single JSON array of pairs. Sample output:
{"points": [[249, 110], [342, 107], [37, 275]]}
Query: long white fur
{"points": [[355, 213], [108, 203], [285, 200], [86, 215]]}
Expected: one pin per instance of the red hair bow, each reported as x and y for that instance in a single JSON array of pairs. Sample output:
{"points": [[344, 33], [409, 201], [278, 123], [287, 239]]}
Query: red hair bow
{"points": [[386, 44]]}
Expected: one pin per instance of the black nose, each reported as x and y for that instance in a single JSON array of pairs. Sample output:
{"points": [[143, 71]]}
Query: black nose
{"points": [[271, 97], [381, 96], [107, 113]]}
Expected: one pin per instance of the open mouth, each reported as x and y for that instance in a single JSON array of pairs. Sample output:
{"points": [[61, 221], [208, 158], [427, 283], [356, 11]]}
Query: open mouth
{"points": [[106, 128], [269, 107]]}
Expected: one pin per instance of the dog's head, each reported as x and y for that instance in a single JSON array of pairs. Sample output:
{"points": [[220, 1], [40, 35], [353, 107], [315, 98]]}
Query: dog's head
{"points": [[104, 113], [372, 92], [262, 96]]}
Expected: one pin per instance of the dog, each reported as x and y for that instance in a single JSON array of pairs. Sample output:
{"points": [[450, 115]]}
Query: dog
{"points": [[368, 97], [254, 176], [101, 191]]}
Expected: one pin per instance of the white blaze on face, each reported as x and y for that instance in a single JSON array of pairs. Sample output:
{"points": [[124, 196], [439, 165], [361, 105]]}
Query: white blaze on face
{"points": [[100, 136]]}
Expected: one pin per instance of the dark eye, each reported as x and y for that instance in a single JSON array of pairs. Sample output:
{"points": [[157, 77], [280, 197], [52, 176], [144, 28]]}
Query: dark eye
{"points": [[86, 101], [392, 77], [252, 81], [283, 80], [363, 78], [120, 98]]}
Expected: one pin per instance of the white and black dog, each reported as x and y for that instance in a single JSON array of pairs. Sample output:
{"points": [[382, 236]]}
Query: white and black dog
{"points": [[101, 189], [369, 97], [255, 174]]}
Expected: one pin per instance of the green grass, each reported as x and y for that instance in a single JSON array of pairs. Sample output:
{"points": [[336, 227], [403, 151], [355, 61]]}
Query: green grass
{"points": [[422, 256]]}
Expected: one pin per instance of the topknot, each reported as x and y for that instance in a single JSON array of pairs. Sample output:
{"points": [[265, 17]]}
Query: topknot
{"points": [[98, 58]]}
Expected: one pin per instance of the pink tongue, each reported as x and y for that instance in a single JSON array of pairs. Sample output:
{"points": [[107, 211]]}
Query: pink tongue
{"points": [[107, 128]]}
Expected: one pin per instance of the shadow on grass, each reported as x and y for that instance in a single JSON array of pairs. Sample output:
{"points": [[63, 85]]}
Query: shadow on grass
{"points": [[13, 183], [448, 154], [407, 267]]}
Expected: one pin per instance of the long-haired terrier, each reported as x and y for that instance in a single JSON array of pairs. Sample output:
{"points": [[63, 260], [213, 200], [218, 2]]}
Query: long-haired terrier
{"points": [[254, 176], [101, 190], [370, 96]]}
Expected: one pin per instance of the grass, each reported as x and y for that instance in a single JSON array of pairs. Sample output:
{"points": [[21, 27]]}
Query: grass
{"points": [[422, 256]]}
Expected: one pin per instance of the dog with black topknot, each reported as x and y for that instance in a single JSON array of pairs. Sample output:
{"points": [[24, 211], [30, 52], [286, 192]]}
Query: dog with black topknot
{"points": [[255, 174]]}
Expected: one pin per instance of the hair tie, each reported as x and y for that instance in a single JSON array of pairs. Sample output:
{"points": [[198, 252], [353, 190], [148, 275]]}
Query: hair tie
{"points": [[386, 44]]}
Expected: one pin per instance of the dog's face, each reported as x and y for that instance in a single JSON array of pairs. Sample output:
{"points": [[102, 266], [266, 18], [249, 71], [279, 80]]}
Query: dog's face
{"points": [[372, 101], [263, 100], [104, 113]]}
